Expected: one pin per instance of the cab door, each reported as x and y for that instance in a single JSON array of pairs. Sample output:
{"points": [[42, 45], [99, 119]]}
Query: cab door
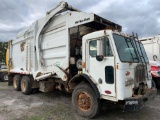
{"points": [[103, 72]]}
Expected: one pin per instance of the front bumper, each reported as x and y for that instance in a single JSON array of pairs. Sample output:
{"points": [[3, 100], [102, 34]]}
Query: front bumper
{"points": [[137, 102]]}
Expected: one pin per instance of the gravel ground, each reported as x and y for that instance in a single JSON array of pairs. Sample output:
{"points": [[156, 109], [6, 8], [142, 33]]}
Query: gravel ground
{"points": [[57, 106]]}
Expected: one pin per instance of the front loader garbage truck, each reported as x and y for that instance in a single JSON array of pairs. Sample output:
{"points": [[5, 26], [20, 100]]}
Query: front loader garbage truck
{"points": [[82, 54]]}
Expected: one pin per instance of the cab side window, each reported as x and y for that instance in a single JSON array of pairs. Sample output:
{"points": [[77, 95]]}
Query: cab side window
{"points": [[107, 51]]}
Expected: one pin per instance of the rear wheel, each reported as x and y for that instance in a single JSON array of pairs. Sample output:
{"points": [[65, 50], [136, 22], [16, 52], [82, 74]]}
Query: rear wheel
{"points": [[17, 82], [26, 85], [85, 101], [4, 77]]}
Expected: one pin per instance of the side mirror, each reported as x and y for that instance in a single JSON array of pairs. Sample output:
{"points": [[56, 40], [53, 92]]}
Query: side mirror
{"points": [[100, 54]]}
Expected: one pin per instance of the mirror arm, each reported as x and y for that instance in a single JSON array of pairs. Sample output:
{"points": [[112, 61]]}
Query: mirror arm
{"points": [[99, 57]]}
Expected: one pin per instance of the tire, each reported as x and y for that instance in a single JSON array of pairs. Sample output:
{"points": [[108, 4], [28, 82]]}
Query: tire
{"points": [[158, 83], [0, 77], [17, 83], [4, 77], [153, 84], [26, 87], [85, 101]]}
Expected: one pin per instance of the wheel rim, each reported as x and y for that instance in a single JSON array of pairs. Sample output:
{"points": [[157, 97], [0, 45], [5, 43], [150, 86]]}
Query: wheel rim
{"points": [[84, 101], [5, 77], [15, 83], [23, 86]]}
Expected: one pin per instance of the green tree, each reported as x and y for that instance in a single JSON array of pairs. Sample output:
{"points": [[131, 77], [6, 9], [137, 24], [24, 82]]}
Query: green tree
{"points": [[3, 47]]}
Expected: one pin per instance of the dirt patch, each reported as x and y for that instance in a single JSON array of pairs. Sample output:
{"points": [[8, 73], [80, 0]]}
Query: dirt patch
{"points": [[57, 106]]}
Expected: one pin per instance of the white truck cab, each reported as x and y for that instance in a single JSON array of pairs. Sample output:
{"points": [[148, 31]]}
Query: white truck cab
{"points": [[113, 62]]}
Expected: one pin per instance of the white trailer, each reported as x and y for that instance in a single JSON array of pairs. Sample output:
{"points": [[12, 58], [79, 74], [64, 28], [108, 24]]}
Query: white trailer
{"points": [[83, 54], [152, 47]]}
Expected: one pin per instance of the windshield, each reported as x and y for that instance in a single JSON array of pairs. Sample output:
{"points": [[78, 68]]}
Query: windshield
{"points": [[125, 49]]}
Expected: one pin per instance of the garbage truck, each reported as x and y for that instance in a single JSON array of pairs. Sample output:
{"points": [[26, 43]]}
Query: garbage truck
{"points": [[152, 48], [82, 54]]}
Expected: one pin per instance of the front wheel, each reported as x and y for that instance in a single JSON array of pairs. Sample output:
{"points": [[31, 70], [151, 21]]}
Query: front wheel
{"points": [[85, 101], [157, 82]]}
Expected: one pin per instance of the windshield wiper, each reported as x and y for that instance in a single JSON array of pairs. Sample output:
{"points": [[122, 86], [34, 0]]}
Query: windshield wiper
{"points": [[136, 58]]}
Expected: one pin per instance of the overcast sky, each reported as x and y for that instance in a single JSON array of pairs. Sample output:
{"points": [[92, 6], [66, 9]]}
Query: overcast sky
{"points": [[142, 17]]}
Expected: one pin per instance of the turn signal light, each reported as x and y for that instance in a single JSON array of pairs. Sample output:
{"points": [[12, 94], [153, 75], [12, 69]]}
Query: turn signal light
{"points": [[83, 64], [116, 66]]}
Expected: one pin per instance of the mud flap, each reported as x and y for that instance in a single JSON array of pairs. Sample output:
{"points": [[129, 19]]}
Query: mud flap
{"points": [[46, 86], [10, 80]]}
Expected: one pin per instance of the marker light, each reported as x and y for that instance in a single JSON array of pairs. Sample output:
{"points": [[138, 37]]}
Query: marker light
{"points": [[108, 92]]}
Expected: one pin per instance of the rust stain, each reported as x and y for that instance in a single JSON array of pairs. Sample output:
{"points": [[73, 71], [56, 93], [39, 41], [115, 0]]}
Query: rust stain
{"points": [[22, 46]]}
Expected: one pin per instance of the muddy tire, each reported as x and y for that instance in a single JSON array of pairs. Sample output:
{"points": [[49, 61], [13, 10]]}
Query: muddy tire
{"points": [[85, 101], [4, 77], [17, 83], [26, 87]]}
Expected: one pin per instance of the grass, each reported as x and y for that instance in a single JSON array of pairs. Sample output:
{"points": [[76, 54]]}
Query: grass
{"points": [[36, 118], [4, 109], [1, 89], [55, 112], [3, 85]]}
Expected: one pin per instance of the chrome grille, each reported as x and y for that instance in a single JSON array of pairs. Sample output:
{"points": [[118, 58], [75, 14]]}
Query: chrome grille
{"points": [[140, 73]]}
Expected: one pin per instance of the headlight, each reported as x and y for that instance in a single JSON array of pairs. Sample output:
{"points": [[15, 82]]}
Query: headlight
{"points": [[128, 81]]}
